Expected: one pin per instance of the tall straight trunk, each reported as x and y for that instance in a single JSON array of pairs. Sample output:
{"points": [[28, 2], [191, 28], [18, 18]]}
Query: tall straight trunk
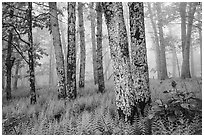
{"points": [[200, 37], [58, 50], [192, 59], [50, 67], [174, 60], [163, 67], [101, 84], [139, 65], [118, 43], [16, 76], [9, 65], [71, 51], [156, 41], [182, 8], [93, 40], [185, 71], [31, 57], [82, 46]]}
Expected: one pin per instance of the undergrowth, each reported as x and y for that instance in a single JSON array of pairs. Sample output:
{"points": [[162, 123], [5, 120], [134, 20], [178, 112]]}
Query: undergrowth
{"points": [[91, 113]]}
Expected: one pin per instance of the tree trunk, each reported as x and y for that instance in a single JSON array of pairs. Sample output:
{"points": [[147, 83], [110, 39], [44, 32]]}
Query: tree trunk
{"points": [[9, 61], [192, 59], [58, 51], [31, 57], [50, 68], [93, 40], [118, 43], [163, 67], [185, 71], [174, 60], [101, 84], [139, 65], [200, 37], [156, 41], [182, 8], [82, 46], [9, 65], [15, 84], [71, 51]]}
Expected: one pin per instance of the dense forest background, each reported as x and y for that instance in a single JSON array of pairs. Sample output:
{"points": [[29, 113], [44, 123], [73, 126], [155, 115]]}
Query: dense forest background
{"points": [[60, 67]]}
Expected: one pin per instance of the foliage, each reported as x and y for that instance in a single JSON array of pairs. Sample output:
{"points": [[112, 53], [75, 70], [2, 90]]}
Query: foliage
{"points": [[180, 112], [91, 113]]}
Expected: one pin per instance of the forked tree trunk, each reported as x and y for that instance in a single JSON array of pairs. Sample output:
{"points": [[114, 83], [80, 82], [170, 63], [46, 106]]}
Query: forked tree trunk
{"points": [[156, 41], [140, 74], [93, 40], [82, 46], [185, 71], [164, 74], [71, 51], [58, 50], [118, 43], [31, 57]]}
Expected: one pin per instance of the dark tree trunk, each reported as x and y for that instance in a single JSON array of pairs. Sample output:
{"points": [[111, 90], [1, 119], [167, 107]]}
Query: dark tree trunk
{"points": [[71, 51], [31, 57], [93, 40], [156, 41], [183, 25], [82, 46], [58, 51], [51, 82], [163, 67], [9, 65], [185, 71], [118, 43], [139, 65], [101, 84], [9, 61], [16, 76]]}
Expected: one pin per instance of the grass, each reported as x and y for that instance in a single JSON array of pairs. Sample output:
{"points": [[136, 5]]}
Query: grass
{"points": [[89, 113]]}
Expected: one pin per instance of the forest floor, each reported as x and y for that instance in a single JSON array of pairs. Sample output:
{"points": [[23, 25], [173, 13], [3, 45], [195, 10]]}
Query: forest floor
{"points": [[90, 113]]}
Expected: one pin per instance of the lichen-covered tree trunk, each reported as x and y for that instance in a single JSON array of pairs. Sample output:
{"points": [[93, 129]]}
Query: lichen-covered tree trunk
{"points": [[156, 41], [163, 67], [101, 84], [58, 50], [182, 10], [93, 40], [31, 57], [185, 71], [139, 65], [118, 43], [71, 51], [82, 46]]}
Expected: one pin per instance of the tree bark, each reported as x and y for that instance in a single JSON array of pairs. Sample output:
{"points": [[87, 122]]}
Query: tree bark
{"points": [[51, 82], [93, 40], [185, 71], [101, 84], [16, 76], [58, 51], [156, 41], [163, 67], [174, 60], [182, 8], [82, 46], [71, 51], [9, 65], [139, 66], [31, 57], [118, 43]]}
